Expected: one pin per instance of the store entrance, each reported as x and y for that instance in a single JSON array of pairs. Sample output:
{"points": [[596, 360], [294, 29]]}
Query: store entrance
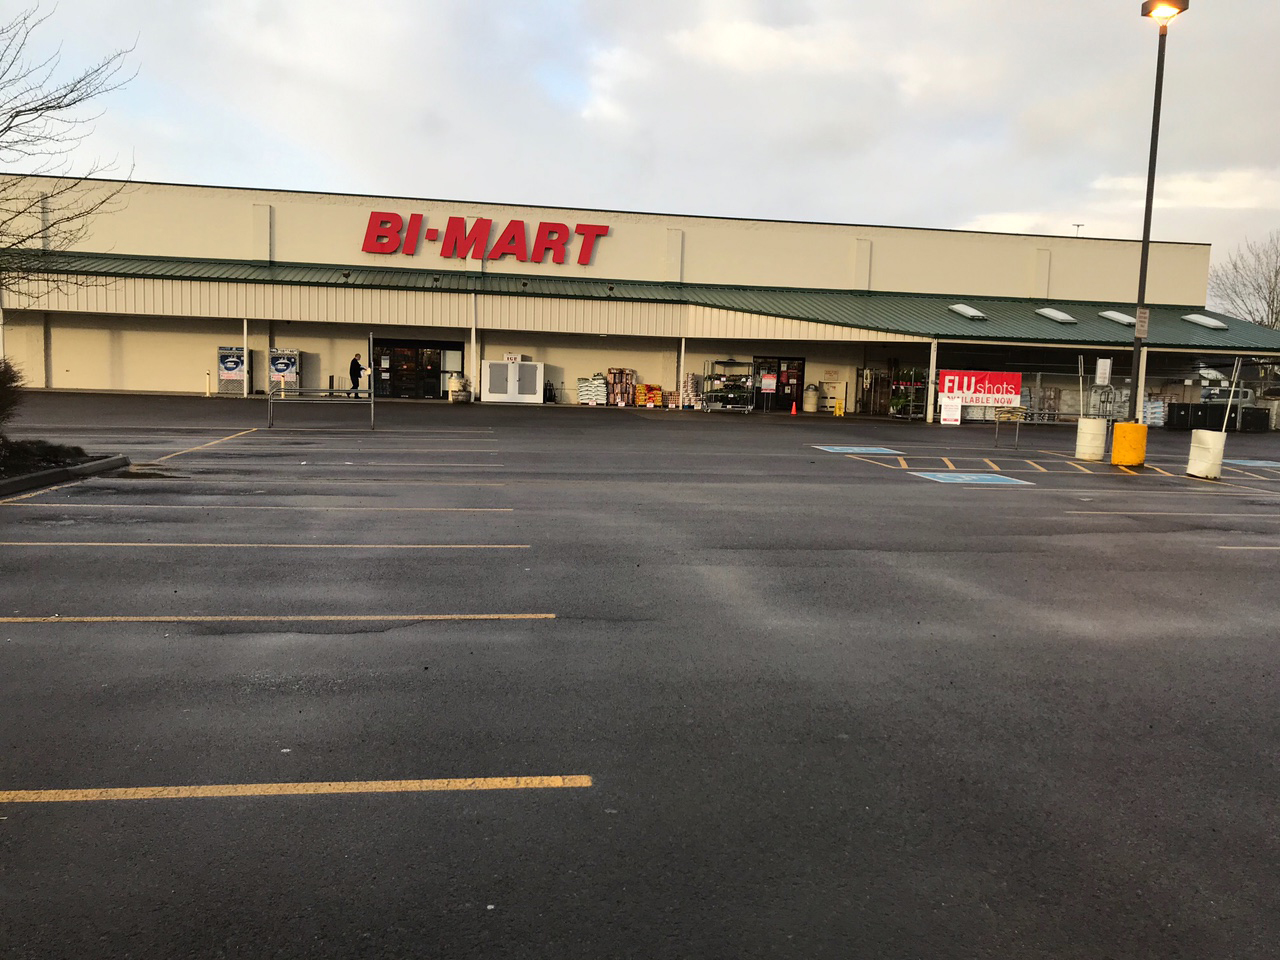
{"points": [[786, 375], [414, 369]]}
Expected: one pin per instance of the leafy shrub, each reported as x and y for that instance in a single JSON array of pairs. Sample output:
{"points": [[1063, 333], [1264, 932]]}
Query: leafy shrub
{"points": [[10, 391]]}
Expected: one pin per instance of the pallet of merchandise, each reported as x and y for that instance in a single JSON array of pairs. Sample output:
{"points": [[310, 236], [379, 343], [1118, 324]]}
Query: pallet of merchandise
{"points": [[593, 391], [691, 391], [647, 393], [622, 386]]}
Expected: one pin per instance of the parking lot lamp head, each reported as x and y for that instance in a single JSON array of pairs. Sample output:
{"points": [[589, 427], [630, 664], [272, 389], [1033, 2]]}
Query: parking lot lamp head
{"points": [[1164, 10]]}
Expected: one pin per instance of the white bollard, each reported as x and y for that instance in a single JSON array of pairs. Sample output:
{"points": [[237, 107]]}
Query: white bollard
{"points": [[1091, 438], [1206, 454]]}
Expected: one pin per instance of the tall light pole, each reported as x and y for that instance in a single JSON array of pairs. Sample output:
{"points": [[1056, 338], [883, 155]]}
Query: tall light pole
{"points": [[1162, 11]]}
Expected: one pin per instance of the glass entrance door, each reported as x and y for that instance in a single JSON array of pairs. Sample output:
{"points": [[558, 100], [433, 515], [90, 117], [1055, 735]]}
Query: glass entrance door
{"points": [[787, 375], [414, 369]]}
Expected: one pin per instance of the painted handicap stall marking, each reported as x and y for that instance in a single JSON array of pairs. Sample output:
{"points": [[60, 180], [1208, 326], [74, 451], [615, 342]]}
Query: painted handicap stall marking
{"points": [[955, 477], [1253, 463], [896, 453]]}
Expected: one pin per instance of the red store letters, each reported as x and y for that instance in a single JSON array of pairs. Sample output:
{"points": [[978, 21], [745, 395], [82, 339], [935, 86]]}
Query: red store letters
{"points": [[390, 233]]}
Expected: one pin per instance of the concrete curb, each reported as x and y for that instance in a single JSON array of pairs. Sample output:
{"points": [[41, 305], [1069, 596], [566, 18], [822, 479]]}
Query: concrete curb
{"points": [[46, 478]]}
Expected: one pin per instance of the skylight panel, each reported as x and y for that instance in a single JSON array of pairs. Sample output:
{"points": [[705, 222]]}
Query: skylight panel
{"points": [[967, 311], [1058, 316], [1213, 323], [1119, 317]]}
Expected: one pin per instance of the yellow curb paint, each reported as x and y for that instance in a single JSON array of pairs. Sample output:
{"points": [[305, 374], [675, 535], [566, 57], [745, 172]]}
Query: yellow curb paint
{"points": [[294, 789], [307, 618], [276, 546], [242, 433]]}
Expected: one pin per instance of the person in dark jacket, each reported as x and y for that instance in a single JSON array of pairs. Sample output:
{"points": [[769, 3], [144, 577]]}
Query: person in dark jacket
{"points": [[357, 371]]}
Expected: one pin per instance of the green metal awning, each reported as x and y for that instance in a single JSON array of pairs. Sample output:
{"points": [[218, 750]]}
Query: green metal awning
{"points": [[1007, 320]]}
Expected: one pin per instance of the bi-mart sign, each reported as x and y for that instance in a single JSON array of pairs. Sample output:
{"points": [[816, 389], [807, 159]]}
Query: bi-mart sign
{"points": [[524, 242], [980, 389]]}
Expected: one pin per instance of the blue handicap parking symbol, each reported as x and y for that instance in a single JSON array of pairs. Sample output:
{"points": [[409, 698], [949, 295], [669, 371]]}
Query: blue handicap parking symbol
{"points": [[1253, 463], [859, 450], [953, 477]]}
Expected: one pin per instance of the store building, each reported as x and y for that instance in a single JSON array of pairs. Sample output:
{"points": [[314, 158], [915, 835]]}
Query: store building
{"points": [[176, 285]]}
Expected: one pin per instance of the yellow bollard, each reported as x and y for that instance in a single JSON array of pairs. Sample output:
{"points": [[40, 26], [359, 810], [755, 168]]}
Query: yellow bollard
{"points": [[1129, 445]]}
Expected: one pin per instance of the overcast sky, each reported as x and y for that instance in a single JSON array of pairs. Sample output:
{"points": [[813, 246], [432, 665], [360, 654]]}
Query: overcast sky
{"points": [[1008, 115]]}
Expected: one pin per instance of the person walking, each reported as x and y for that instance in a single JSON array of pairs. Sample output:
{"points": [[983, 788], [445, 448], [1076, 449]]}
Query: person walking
{"points": [[358, 370]]}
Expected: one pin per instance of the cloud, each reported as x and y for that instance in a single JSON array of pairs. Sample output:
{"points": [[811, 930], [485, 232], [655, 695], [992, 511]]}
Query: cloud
{"points": [[997, 115], [1252, 189], [612, 71], [760, 48]]}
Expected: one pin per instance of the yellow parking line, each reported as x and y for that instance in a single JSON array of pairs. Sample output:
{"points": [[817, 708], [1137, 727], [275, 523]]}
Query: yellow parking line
{"points": [[902, 462], [1158, 470], [242, 433], [1037, 466], [947, 461], [394, 463], [887, 466], [1255, 476], [1159, 513], [36, 493], [1132, 473], [357, 448], [314, 481], [294, 789], [273, 546], [327, 508], [991, 464], [1079, 467], [307, 618]]}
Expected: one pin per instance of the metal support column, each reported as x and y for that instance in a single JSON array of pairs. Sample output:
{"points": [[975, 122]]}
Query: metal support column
{"points": [[680, 378], [931, 389], [474, 365], [372, 374]]}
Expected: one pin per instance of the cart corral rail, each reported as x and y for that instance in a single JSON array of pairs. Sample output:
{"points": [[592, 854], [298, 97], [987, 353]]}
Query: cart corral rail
{"points": [[279, 394]]}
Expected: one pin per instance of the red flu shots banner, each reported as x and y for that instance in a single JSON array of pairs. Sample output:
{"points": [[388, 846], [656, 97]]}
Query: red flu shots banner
{"points": [[980, 389]]}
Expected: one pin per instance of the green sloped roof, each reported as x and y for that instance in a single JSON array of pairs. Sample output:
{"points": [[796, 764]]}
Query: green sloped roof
{"points": [[923, 315]]}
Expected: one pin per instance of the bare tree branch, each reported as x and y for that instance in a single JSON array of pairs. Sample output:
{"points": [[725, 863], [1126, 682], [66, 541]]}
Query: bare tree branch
{"points": [[45, 204], [1248, 284]]}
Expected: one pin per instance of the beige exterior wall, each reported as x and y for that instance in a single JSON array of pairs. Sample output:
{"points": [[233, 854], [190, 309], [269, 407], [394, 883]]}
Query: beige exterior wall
{"points": [[127, 352], [237, 224], [162, 335], [567, 358], [24, 345]]}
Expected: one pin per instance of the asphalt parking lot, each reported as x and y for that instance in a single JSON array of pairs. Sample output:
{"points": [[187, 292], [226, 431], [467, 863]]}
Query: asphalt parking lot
{"points": [[508, 682]]}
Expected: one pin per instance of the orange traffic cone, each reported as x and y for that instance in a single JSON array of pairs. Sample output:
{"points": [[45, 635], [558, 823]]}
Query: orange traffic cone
{"points": [[793, 408]]}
